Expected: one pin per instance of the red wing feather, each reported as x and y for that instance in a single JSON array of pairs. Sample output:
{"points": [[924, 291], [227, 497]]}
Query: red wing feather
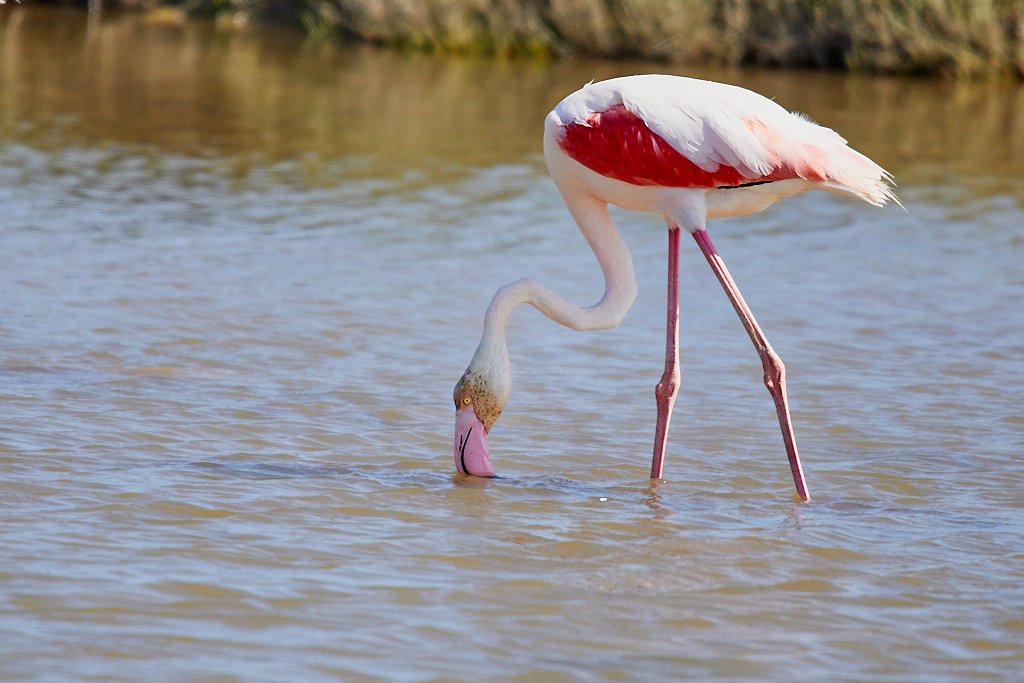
{"points": [[618, 144]]}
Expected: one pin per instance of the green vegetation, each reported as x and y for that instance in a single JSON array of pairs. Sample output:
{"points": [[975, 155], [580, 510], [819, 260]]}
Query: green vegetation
{"points": [[958, 37]]}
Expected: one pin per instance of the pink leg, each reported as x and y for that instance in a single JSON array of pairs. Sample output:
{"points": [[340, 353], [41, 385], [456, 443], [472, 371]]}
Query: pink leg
{"points": [[668, 387], [774, 370]]}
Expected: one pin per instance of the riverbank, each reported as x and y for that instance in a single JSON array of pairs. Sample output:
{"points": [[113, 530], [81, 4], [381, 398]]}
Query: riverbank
{"points": [[950, 37]]}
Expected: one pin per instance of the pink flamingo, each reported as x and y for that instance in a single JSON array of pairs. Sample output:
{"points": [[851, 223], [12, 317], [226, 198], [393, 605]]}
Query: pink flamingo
{"points": [[688, 150]]}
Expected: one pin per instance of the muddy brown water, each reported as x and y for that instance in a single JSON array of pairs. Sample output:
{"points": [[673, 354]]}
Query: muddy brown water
{"points": [[240, 273]]}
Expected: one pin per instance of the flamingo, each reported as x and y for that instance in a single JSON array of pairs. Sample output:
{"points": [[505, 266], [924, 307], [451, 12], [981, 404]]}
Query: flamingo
{"points": [[686, 149]]}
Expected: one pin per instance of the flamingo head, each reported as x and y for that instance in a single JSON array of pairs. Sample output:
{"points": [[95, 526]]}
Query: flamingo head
{"points": [[479, 399]]}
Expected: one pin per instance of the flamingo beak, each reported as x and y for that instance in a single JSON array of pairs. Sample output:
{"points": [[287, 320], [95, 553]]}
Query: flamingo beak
{"points": [[471, 454]]}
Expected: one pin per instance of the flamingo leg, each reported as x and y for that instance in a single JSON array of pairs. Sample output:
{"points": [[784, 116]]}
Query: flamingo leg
{"points": [[774, 370], [668, 387]]}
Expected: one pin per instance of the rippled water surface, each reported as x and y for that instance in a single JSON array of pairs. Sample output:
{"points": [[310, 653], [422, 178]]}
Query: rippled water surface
{"points": [[240, 274]]}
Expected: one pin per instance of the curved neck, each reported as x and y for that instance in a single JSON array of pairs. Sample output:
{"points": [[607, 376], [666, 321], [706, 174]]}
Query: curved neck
{"points": [[619, 284]]}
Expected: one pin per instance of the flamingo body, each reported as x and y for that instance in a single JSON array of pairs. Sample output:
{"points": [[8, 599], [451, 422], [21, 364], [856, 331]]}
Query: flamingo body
{"points": [[669, 131], [685, 149]]}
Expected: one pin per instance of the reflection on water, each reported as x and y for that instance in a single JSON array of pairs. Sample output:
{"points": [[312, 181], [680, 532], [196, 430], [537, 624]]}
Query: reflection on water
{"points": [[240, 275], [264, 96]]}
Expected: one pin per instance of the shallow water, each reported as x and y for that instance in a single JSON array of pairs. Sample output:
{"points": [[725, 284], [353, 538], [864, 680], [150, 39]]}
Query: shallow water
{"points": [[240, 274]]}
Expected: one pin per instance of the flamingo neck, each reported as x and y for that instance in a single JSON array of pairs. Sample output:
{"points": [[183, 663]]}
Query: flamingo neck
{"points": [[620, 288]]}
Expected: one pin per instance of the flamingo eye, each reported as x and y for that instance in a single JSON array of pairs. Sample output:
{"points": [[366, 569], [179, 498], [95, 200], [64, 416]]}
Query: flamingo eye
{"points": [[465, 401]]}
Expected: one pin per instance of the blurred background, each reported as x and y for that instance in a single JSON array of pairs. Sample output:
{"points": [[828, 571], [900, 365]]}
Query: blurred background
{"points": [[245, 251], [910, 36]]}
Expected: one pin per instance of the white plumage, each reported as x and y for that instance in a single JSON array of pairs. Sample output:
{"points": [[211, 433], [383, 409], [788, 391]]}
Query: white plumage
{"points": [[715, 125]]}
